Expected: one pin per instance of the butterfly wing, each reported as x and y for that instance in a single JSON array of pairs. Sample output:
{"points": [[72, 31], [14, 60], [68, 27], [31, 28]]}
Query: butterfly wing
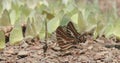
{"points": [[68, 36], [62, 38], [62, 35], [72, 32]]}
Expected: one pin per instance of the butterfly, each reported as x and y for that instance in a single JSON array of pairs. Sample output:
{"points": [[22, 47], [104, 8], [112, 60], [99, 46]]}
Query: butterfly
{"points": [[68, 36]]}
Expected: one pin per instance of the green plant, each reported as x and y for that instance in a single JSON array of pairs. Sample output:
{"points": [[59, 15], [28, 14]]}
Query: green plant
{"points": [[2, 39]]}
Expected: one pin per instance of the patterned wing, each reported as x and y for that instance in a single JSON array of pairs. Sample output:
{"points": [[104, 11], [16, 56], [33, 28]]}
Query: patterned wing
{"points": [[72, 32], [63, 40]]}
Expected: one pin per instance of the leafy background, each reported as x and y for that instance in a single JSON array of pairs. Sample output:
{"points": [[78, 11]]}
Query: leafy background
{"points": [[86, 16]]}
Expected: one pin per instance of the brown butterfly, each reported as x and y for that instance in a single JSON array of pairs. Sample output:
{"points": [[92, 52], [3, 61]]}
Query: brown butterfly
{"points": [[68, 36]]}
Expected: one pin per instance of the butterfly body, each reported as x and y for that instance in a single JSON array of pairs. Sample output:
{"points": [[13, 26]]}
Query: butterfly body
{"points": [[68, 36]]}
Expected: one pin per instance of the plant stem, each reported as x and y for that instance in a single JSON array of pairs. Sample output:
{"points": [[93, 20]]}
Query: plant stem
{"points": [[46, 35]]}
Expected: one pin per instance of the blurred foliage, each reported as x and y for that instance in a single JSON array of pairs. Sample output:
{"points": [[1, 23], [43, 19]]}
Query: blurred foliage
{"points": [[16, 35], [5, 19], [85, 16], [2, 39]]}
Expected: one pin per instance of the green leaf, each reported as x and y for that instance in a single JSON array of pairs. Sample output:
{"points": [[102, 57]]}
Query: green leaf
{"points": [[109, 30], [91, 19], [6, 4], [40, 8], [5, 19], [37, 25], [69, 8], [98, 30], [32, 4], [65, 2], [53, 24], [2, 40], [16, 12], [42, 33], [81, 22], [91, 22], [15, 6], [30, 29], [16, 35], [25, 10], [53, 5], [38, 22], [49, 16], [116, 29], [80, 4], [1, 7], [13, 17], [65, 20], [75, 18]]}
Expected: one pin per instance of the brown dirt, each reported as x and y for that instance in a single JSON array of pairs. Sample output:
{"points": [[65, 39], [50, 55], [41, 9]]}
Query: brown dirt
{"points": [[101, 50]]}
